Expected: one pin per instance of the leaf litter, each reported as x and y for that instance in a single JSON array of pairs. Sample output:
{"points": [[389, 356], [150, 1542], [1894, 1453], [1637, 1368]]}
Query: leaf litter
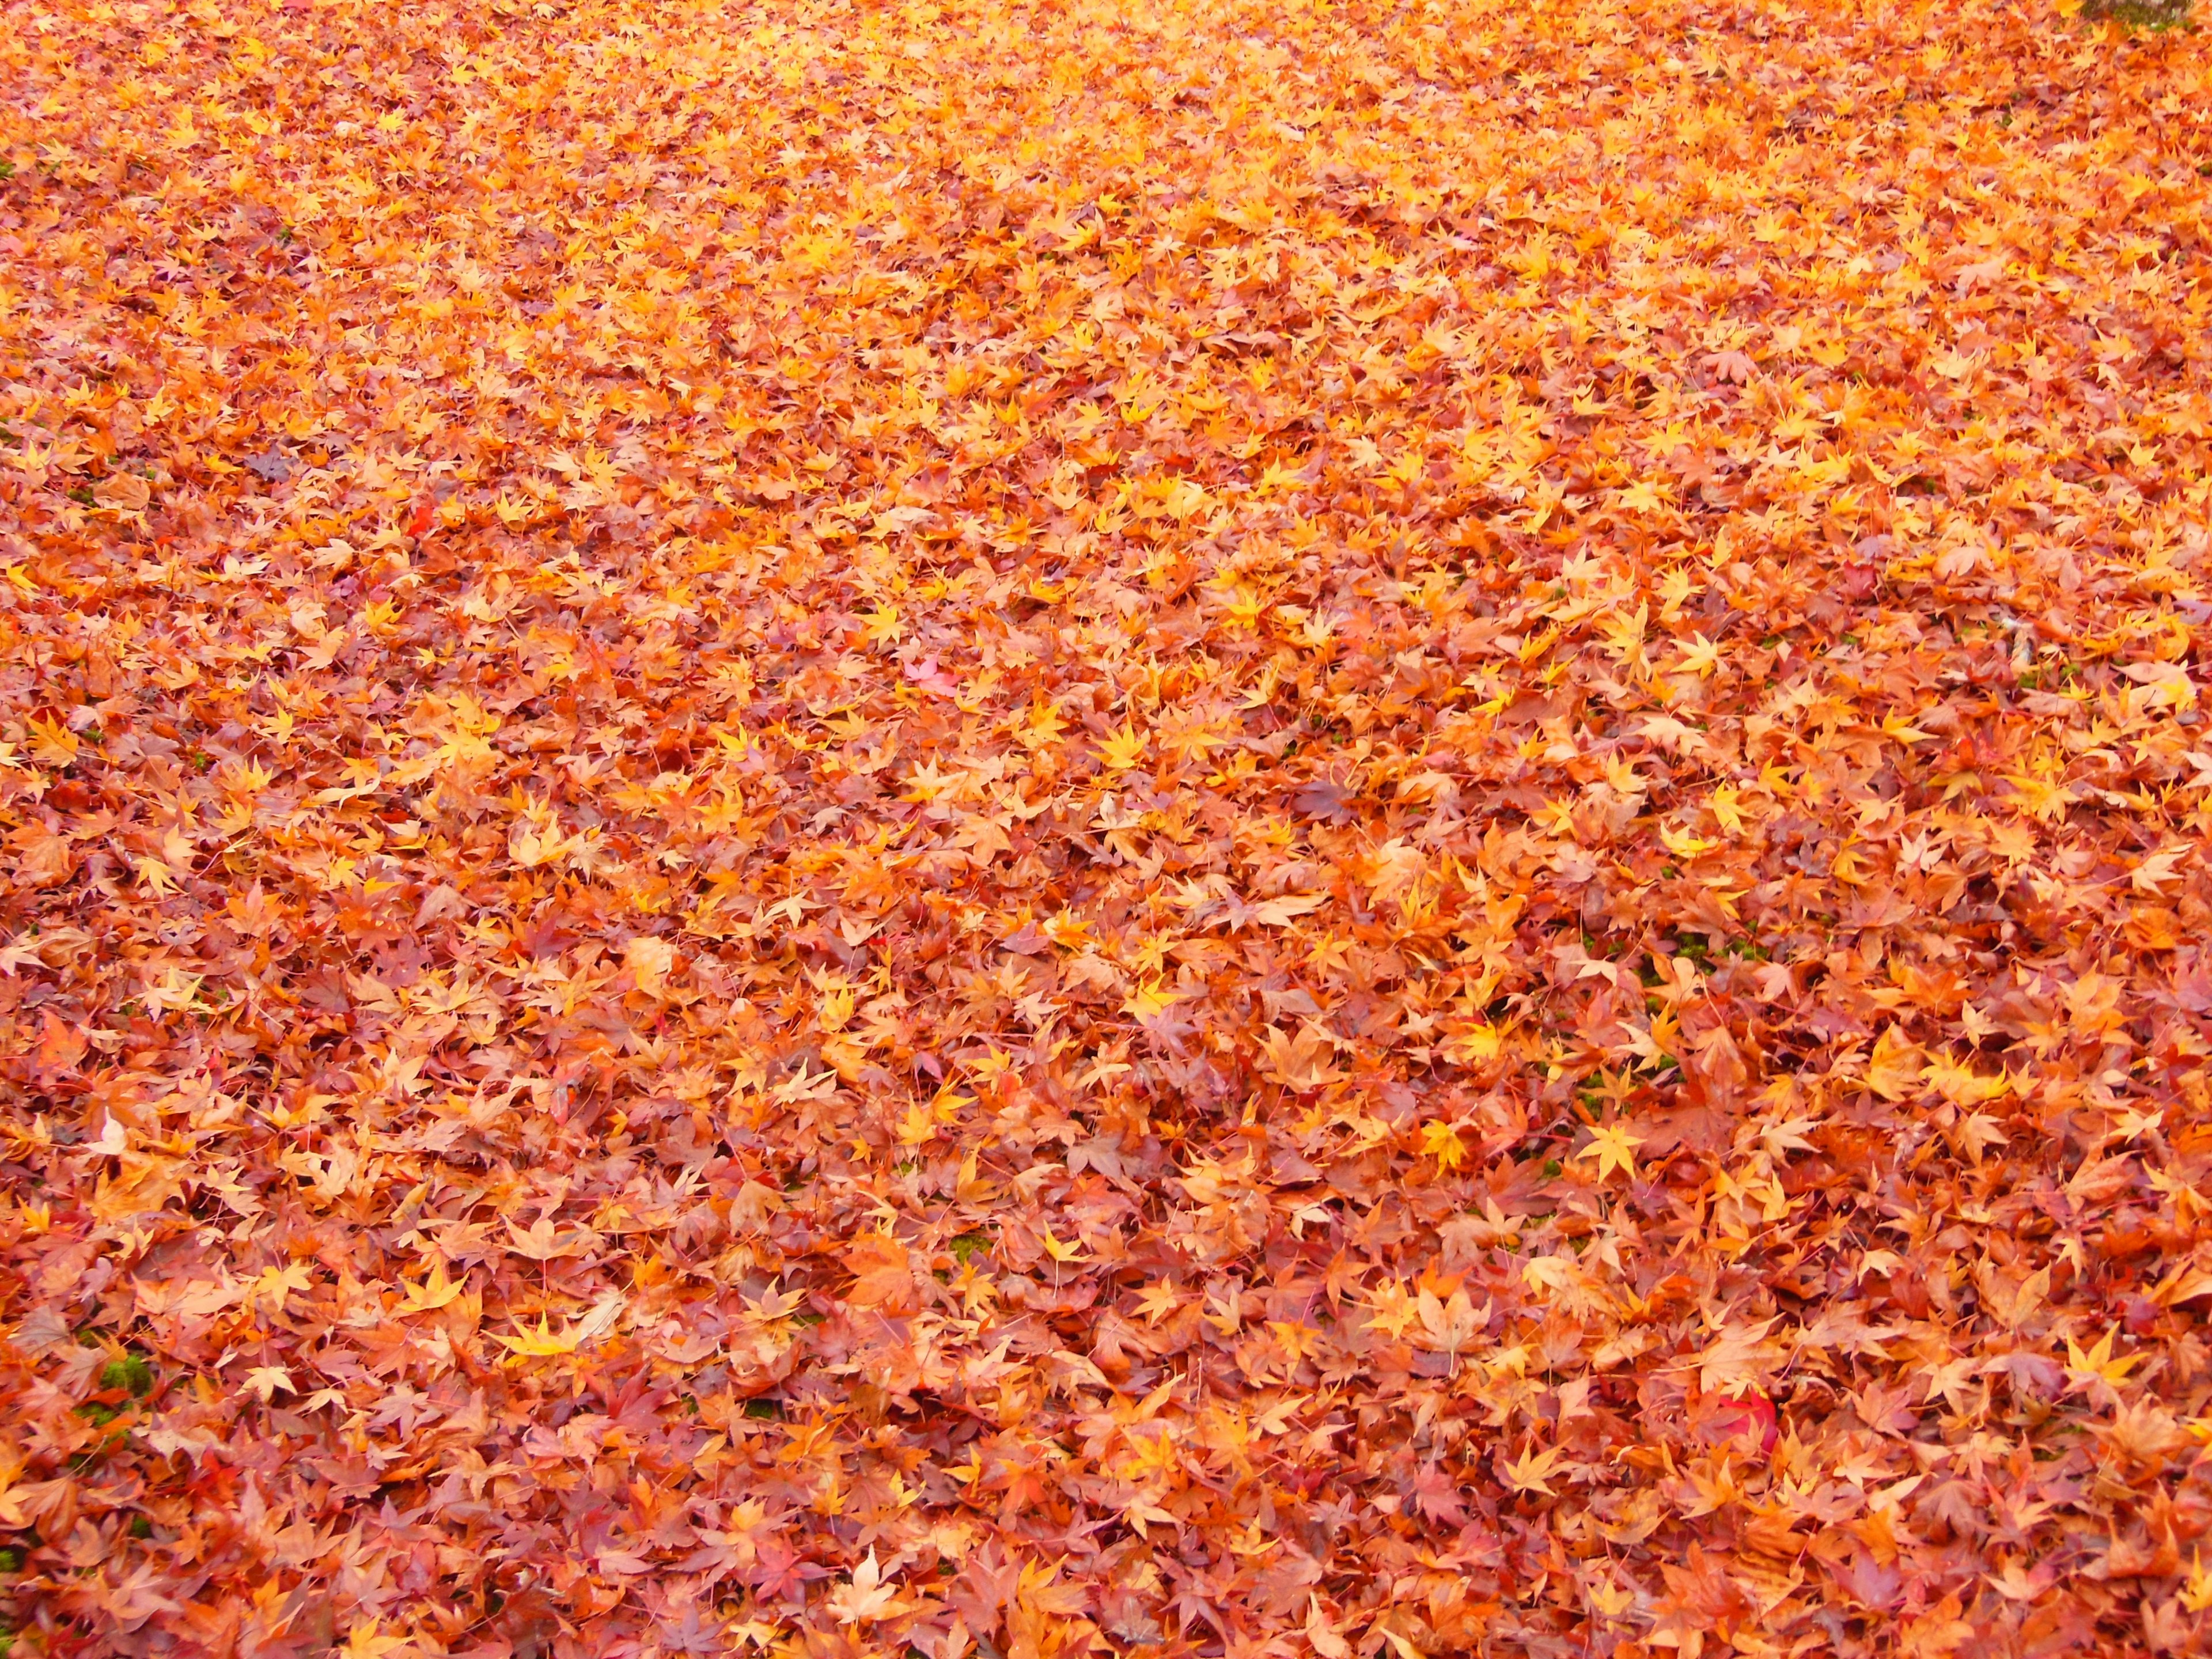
{"points": [[1217, 829]]}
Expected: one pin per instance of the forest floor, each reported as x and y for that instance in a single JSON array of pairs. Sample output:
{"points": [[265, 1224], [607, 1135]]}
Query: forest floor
{"points": [[1014, 829]]}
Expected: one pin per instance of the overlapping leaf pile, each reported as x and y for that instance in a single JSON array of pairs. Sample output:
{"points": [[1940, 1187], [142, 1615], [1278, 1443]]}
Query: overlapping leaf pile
{"points": [[1223, 828]]}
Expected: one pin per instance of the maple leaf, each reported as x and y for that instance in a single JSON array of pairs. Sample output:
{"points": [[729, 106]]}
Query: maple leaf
{"points": [[1449, 1325], [1395, 868], [1624, 632], [272, 1288], [1530, 1473], [985, 836], [1069, 932], [1283, 911], [1041, 725], [531, 844], [1736, 366], [20, 953], [884, 626], [1441, 1141], [137, 1598], [542, 1242], [1895, 1069], [1302, 1062], [1613, 1147], [2096, 1371], [651, 960], [1322, 1635], [883, 1274], [1124, 749], [1738, 1358], [436, 1292], [52, 744], [1696, 655], [1392, 1312], [2197, 1593], [1157, 1300], [1610, 1600], [1684, 845], [867, 1597], [2014, 1304], [1977, 1132], [542, 1343], [1225, 1312], [366, 1640], [2155, 871], [1147, 1001], [266, 1380]]}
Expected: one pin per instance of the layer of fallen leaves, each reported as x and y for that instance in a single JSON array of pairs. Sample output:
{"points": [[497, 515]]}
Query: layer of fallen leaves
{"points": [[1254, 828]]}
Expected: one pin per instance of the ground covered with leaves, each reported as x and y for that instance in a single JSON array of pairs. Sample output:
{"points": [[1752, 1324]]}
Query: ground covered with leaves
{"points": [[1012, 829]]}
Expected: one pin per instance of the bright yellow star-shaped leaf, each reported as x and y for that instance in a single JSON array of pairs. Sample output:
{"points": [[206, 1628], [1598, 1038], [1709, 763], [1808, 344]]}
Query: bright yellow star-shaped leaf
{"points": [[1611, 1146]]}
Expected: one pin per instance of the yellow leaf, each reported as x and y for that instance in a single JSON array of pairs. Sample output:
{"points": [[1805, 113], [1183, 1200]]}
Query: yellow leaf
{"points": [[1157, 1300], [1895, 1069], [2097, 1367], [267, 1380], [1392, 1311], [2196, 1594], [1474, 1044], [433, 1294], [1700, 656], [1531, 1472], [52, 744], [1611, 1146], [542, 1343], [1041, 726], [1684, 845], [365, 1640], [882, 626], [1125, 748], [1147, 1000], [1441, 1141]]}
